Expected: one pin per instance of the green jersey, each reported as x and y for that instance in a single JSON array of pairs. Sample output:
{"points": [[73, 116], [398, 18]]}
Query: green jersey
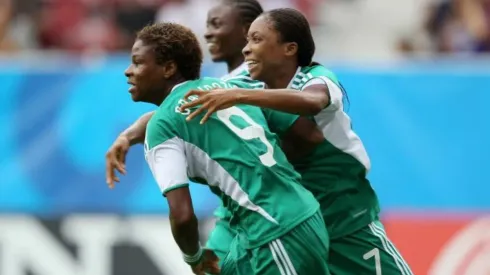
{"points": [[236, 155], [336, 171], [241, 74]]}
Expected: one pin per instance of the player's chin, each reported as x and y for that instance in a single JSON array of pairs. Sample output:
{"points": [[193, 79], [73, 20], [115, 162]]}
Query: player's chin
{"points": [[255, 72], [135, 96], [218, 57]]}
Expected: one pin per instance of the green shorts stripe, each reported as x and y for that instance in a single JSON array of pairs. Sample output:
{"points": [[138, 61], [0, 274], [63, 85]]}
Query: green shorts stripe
{"points": [[390, 249], [280, 265], [390, 244], [281, 258]]}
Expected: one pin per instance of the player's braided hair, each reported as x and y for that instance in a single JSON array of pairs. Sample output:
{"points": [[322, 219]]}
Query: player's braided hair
{"points": [[249, 10], [293, 27], [177, 43]]}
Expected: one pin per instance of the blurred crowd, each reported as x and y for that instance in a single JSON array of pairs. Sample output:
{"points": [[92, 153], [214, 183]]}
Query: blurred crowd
{"points": [[452, 26], [97, 25], [447, 26]]}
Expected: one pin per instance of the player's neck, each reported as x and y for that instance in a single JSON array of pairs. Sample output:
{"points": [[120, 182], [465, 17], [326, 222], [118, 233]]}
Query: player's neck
{"points": [[282, 77], [234, 63], [160, 97]]}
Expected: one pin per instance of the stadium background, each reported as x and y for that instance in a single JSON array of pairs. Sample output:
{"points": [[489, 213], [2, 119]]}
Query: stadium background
{"points": [[423, 118]]}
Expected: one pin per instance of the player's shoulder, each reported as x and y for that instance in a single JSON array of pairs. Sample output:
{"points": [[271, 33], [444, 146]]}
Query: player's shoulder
{"points": [[245, 81], [168, 121], [181, 89], [163, 125], [315, 70]]}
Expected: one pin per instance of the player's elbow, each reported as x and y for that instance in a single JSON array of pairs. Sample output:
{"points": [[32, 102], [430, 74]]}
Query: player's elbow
{"points": [[182, 217], [314, 105], [315, 99], [182, 222]]}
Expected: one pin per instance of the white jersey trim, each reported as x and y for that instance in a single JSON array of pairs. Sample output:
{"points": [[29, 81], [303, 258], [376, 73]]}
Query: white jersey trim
{"points": [[168, 164], [334, 91], [243, 67], [336, 127], [174, 161], [291, 82], [202, 166]]}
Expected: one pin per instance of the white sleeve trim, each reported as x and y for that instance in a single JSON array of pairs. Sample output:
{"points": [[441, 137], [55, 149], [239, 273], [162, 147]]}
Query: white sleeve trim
{"points": [[168, 164], [334, 90]]}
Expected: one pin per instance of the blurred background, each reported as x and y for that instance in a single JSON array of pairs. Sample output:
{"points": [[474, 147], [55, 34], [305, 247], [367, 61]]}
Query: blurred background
{"points": [[417, 74]]}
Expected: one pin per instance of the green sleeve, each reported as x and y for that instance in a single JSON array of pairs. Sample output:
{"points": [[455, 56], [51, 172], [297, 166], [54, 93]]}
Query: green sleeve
{"points": [[165, 152], [160, 128]]}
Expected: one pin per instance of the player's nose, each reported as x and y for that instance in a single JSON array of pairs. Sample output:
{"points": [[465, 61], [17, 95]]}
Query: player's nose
{"points": [[129, 71], [208, 35], [246, 50]]}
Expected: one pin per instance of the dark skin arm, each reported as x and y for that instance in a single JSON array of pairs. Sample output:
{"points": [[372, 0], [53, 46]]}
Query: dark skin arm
{"points": [[116, 155], [185, 231], [136, 132], [301, 139], [308, 102], [183, 220]]}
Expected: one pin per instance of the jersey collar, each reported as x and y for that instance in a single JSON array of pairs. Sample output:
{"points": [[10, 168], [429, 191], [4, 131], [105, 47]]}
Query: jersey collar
{"points": [[236, 71], [178, 85], [295, 74]]}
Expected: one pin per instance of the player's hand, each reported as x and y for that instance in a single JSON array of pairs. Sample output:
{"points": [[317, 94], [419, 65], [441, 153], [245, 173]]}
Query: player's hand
{"points": [[208, 264], [115, 159], [211, 101]]}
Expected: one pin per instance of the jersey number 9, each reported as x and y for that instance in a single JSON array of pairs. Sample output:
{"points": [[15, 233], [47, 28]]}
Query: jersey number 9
{"points": [[251, 132]]}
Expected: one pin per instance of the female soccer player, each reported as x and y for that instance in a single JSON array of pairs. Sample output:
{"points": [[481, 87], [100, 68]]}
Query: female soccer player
{"points": [[227, 27], [165, 65], [279, 52]]}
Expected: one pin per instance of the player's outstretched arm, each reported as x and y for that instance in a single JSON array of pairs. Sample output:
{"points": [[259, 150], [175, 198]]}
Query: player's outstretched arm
{"points": [[115, 158], [308, 102], [135, 133]]}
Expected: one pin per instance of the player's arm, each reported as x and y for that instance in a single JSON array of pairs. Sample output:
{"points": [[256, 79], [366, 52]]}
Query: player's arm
{"points": [[116, 155], [169, 167], [299, 135], [317, 94], [301, 139], [314, 97], [135, 133], [310, 101]]}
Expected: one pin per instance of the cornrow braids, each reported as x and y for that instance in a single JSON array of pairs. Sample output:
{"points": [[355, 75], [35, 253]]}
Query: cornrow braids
{"points": [[249, 10], [292, 26]]}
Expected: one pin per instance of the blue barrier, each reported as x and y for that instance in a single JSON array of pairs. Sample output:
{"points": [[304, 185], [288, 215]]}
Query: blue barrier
{"points": [[426, 130]]}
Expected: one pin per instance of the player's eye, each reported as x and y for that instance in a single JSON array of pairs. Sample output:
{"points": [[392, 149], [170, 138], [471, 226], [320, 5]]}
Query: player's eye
{"points": [[215, 23]]}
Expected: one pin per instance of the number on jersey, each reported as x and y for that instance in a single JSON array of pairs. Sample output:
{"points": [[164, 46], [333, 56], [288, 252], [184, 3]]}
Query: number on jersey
{"points": [[251, 132]]}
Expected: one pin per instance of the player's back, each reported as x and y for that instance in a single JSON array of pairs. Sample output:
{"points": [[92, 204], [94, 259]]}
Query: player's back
{"points": [[235, 153]]}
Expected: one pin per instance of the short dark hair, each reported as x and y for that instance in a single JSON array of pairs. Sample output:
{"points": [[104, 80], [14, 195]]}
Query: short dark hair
{"points": [[174, 42], [248, 10], [293, 27]]}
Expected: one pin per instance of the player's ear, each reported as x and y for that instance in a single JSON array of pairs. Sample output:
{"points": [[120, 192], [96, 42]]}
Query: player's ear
{"points": [[290, 48], [169, 69]]}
